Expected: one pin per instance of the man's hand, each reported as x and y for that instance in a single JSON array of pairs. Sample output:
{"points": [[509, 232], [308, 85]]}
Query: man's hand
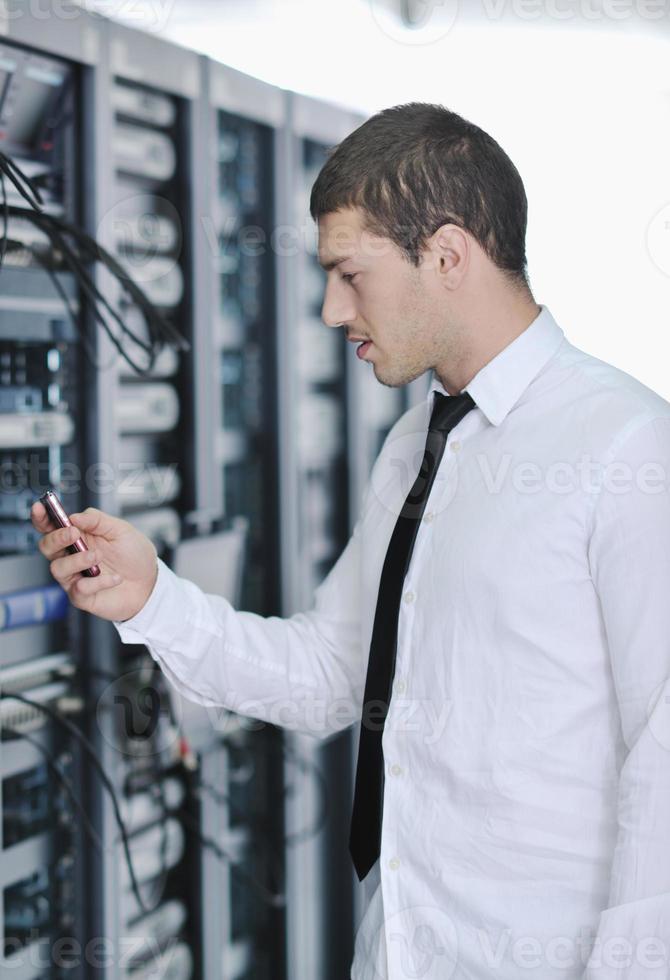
{"points": [[127, 561]]}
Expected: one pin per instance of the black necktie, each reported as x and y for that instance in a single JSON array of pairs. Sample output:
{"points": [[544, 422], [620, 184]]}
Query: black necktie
{"points": [[366, 820]]}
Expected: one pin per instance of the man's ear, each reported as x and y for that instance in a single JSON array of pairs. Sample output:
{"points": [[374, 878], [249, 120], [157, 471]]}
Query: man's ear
{"points": [[449, 254]]}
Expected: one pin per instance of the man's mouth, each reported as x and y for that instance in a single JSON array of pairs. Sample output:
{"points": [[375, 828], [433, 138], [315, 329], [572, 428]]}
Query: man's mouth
{"points": [[362, 349]]}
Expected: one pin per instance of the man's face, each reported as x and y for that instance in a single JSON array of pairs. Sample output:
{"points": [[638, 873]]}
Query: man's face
{"points": [[377, 295]]}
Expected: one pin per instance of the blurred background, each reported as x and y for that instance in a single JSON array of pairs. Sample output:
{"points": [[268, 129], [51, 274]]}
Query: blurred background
{"points": [[162, 357]]}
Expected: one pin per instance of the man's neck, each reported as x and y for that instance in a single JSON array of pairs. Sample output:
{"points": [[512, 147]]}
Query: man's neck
{"points": [[485, 346]]}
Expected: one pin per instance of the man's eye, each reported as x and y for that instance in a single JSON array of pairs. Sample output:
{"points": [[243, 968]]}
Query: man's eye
{"points": [[349, 276]]}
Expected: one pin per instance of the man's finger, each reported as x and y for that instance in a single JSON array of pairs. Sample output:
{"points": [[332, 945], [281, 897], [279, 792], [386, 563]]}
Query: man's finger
{"points": [[93, 520], [53, 542], [86, 587], [40, 518], [69, 565]]}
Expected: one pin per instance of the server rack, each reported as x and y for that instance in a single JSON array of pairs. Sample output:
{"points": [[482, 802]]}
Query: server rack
{"points": [[170, 86], [315, 524], [243, 119], [44, 863], [145, 133]]}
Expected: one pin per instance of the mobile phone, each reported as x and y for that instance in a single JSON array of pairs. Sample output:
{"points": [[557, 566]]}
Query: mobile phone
{"points": [[56, 512]]}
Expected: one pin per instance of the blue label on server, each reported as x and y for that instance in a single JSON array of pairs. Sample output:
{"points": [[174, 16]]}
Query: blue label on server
{"points": [[32, 606]]}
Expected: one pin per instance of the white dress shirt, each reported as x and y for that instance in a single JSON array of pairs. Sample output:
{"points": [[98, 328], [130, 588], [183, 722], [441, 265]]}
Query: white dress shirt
{"points": [[526, 816]]}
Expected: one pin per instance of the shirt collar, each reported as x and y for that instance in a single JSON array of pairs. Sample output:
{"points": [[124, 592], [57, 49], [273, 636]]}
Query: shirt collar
{"points": [[498, 386]]}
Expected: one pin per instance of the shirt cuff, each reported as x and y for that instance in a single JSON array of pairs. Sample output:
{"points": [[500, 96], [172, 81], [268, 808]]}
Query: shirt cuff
{"points": [[163, 609], [632, 941]]}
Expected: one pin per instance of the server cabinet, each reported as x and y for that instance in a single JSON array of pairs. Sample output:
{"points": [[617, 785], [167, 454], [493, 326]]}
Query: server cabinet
{"points": [[85, 426], [45, 863], [245, 928], [151, 118], [246, 116]]}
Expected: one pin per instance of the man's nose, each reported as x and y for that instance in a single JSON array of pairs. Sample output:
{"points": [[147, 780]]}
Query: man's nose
{"points": [[337, 309]]}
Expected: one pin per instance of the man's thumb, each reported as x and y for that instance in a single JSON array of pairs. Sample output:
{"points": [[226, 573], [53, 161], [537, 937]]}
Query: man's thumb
{"points": [[93, 520]]}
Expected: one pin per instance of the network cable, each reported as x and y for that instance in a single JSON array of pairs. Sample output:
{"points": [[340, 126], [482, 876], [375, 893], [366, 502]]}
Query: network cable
{"points": [[91, 753], [55, 769], [154, 786], [295, 837], [84, 251], [274, 899], [65, 299]]}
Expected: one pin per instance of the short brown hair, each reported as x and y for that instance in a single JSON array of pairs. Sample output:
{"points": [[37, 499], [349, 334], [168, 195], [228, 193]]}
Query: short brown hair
{"points": [[412, 168]]}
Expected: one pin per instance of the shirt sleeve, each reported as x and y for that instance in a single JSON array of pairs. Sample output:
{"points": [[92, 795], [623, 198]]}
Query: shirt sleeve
{"points": [[305, 672], [629, 555]]}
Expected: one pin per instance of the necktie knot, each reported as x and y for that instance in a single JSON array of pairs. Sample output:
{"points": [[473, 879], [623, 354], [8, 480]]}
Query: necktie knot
{"points": [[448, 410]]}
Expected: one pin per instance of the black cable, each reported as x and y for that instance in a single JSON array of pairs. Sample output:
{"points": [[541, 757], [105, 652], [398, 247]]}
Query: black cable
{"points": [[87, 249], [224, 799], [91, 753], [77, 270], [274, 899], [156, 787], [57, 236], [99, 254], [21, 181], [300, 836], [85, 282], [5, 218], [52, 763], [91, 291], [159, 326], [264, 826], [72, 314]]}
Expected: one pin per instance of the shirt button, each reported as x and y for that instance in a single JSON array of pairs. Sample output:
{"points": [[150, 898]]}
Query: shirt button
{"points": [[396, 770], [409, 597], [400, 686], [429, 517], [455, 446], [394, 864]]}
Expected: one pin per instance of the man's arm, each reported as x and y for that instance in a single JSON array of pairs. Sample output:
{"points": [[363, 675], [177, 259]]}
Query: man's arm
{"points": [[629, 555], [305, 672]]}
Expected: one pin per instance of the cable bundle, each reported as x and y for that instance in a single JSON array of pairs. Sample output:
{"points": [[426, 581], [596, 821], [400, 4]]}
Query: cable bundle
{"points": [[77, 250]]}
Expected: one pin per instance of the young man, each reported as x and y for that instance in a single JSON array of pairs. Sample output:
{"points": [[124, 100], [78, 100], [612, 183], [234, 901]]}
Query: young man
{"points": [[509, 588]]}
